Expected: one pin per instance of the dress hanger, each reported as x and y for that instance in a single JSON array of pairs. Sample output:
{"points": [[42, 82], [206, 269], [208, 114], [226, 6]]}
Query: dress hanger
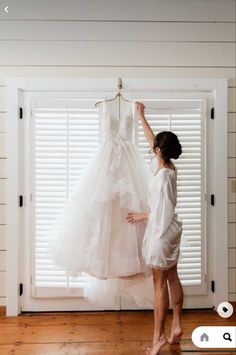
{"points": [[118, 95]]}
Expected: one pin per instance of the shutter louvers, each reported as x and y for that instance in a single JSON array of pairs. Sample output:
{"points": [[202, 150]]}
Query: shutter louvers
{"points": [[65, 138], [189, 126]]}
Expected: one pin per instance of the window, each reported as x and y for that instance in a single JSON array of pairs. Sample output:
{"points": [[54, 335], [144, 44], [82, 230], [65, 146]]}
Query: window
{"points": [[49, 144], [65, 134]]}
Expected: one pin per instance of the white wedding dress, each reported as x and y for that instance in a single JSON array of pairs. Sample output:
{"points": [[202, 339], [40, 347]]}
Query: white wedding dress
{"points": [[91, 234]]}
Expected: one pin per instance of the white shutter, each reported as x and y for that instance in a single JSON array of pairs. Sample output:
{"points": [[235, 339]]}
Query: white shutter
{"points": [[65, 135], [185, 118]]}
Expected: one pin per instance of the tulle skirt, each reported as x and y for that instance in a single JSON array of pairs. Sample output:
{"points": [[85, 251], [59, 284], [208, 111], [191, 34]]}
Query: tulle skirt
{"points": [[92, 235]]}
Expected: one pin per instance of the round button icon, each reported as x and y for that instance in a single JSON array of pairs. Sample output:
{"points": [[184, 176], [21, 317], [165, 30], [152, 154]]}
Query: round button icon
{"points": [[225, 309]]}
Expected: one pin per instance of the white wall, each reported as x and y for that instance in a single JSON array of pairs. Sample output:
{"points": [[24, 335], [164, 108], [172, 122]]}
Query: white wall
{"points": [[132, 38]]}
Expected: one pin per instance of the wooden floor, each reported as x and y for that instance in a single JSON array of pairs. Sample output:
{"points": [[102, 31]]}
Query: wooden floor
{"points": [[118, 332]]}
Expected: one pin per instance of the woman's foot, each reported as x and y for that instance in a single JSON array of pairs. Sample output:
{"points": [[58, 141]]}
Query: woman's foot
{"points": [[157, 345], [176, 333]]}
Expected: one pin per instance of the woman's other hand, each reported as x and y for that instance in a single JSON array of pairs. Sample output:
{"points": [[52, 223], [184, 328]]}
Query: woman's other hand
{"points": [[140, 108], [136, 217]]}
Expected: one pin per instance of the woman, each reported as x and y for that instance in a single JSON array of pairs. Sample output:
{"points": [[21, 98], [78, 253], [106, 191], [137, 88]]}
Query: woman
{"points": [[161, 241]]}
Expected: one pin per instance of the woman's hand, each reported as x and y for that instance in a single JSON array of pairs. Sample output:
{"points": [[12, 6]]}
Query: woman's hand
{"points": [[140, 108], [136, 217]]}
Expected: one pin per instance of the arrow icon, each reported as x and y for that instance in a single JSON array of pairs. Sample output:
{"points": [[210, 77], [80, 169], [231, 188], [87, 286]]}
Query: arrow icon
{"points": [[6, 9]]}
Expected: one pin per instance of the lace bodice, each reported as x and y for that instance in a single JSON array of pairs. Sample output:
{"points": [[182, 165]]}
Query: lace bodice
{"points": [[111, 125]]}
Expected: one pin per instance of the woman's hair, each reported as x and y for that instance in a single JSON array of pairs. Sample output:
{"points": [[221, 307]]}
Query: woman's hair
{"points": [[169, 145]]}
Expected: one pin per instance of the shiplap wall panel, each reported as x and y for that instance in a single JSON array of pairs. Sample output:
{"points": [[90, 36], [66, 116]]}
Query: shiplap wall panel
{"points": [[2, 122], [2, 145], [114, 38], [231, 194], [232, 235], [117, 71], [2, 215], [123, 10], [2, 259], [117, 53], [232, 167], [232, 145], [232, 276], [3, 168], [232, 99], [118, 31], [232, 214], [232, 122], [2, 284], [3, 243], [3, 199], [232, 257]]}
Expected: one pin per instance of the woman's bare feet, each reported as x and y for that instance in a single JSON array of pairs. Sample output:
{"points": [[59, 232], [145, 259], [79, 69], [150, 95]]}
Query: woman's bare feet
{"points": [[176, 333], [157, 345]]}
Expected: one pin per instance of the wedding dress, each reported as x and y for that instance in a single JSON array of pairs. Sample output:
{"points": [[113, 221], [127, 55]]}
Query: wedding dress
{"points": [[92, 235]]}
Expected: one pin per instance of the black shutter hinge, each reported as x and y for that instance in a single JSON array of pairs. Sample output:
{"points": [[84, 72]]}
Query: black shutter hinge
{"points": [[20, 201], [212, 113], [20, 112], [21, 289], [213, 200], [213, 286]]}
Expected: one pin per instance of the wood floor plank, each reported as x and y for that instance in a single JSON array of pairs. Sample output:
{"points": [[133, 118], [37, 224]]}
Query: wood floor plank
{"points": [[118, 332], [87, 318], [106, 348]]}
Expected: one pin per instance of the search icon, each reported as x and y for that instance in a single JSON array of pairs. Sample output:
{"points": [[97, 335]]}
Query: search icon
{"points": [[227, 336]]}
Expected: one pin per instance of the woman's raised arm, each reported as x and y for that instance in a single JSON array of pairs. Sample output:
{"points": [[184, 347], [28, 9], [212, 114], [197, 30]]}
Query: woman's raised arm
{"points": [[148, 132]]}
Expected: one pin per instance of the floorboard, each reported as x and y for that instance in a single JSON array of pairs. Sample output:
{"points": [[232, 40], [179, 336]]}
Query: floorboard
{"points": [[118, 332]]}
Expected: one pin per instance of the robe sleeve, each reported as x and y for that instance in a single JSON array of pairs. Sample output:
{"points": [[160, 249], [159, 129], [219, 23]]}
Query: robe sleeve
{"points": [[162, 213]]}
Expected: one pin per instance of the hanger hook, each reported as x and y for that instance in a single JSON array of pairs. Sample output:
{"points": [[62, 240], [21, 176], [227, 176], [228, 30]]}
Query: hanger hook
{"points": [[120, 86]]}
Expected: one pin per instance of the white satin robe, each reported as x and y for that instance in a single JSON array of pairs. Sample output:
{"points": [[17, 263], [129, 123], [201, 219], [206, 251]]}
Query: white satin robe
{"points": [[161, 243]]}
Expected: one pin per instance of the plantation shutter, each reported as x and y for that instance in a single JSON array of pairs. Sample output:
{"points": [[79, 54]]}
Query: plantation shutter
{"points": [[186, 118], [64, 136]]}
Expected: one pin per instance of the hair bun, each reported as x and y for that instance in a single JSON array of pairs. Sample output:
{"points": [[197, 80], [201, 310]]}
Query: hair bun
{"points": [[169, 145], [177, 151]]}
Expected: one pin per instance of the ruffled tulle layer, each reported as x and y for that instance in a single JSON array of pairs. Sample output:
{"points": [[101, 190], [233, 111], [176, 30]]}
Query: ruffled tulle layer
{"points": [[92, 234], [137, 290]]}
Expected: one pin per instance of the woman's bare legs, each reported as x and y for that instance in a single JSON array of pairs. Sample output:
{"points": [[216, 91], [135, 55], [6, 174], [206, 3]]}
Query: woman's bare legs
{"points": [[176, 291], [161, 305]]}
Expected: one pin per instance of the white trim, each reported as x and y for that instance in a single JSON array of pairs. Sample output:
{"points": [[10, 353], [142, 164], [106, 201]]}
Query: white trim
{"points": [[219, 212], [220, 268], [12, 215]]}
